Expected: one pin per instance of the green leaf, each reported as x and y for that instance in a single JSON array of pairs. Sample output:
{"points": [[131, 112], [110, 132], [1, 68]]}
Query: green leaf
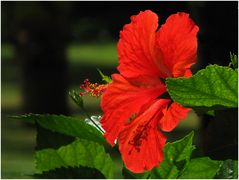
{"points": [[228, 170], [75, 96], [166, 170], [46, 138], [211, 113], [212, 87], [105, 78], [176, 157], [180, 150], [66, 125], [130, 175], [71, 173], [79, 153], [234, 60], [201, 168]]}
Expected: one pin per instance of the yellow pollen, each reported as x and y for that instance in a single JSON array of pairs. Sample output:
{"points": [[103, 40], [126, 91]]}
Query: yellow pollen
{"points": [[94, 89]]}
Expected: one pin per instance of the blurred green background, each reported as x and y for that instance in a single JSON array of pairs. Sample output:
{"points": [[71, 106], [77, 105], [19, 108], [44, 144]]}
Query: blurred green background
{"points": [[49, 48], [18, 140]]}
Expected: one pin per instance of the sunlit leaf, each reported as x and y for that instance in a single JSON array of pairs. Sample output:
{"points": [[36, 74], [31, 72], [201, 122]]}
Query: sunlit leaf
{"points": [[180, 150], [176, 157], [79, 153], [212, 87], [166, 170], [66, 125], [201, 168]]}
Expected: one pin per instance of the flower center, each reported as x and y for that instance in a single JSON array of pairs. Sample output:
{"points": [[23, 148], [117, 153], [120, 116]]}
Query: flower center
{"points": [[94, 89], [140, 134]]}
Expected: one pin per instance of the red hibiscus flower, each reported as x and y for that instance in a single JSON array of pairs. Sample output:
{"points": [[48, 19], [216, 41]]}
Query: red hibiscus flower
{"points": [[134, 108]]}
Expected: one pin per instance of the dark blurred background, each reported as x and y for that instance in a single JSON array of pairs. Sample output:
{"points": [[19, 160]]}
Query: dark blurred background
{"points": [[49, 48]]}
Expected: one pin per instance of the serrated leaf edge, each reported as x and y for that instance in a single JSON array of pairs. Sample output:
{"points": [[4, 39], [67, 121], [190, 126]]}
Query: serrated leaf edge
{"points": [[65, 165], [199, 72]]}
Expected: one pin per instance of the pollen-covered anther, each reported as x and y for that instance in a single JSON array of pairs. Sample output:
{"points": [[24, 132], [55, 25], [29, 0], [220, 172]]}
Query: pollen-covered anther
{"points": [[94, 89]]}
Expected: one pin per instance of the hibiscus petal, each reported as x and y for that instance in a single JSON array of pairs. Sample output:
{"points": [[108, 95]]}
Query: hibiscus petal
{"points": [[136, 47], [178, 43], [121, 100], [172, 116], [141, 142], [187, 73]]}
